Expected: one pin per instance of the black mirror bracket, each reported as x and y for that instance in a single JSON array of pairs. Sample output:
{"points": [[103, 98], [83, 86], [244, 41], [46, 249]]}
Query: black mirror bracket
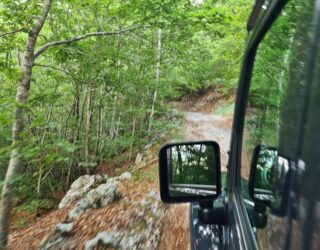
{"points": [[213, 212], [257, 214]]}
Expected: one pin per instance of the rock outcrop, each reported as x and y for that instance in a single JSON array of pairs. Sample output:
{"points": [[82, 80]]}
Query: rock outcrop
{"points": [[140, 230]]}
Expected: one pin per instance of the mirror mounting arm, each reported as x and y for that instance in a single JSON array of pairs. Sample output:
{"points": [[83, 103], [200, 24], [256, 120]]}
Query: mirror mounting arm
{"points": [[216, 213]]}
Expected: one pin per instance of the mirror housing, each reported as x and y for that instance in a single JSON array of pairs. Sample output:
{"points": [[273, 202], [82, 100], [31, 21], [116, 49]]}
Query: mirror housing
{"points": [[189, 172], [269, 179]]}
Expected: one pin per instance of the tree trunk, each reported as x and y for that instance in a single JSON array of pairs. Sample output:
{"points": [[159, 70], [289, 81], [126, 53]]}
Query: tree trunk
{"points": [[88, 129], [113, 124], [18, 126], [103, 135], [99, 123], [157, 80], [132, 140], [42, 151]]}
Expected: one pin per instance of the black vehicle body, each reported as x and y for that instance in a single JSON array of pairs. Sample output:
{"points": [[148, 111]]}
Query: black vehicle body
{"points": [[300, 208]]}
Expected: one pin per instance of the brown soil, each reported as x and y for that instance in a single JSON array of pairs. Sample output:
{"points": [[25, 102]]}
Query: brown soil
{"points": [[31, 236], [206, 102], [175, 232]]}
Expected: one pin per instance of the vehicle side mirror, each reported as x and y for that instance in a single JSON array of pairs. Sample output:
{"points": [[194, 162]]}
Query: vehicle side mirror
{"points": [[189, 172], [269, 179]]}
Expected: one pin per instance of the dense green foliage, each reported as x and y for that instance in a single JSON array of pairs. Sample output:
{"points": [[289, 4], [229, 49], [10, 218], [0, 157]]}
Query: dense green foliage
{"points": [[91, 100]]}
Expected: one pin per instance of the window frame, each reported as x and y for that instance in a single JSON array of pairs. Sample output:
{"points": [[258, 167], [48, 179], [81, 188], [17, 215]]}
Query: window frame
{"points": [[239, 218]]}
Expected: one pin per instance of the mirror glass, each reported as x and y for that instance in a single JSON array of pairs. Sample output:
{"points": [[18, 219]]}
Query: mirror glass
{"points": [[271, 171], [192, 170]]}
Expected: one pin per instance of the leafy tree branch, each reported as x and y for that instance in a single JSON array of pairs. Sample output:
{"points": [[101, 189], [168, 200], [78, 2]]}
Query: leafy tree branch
{"points": [[81, 37], [15, 31]]}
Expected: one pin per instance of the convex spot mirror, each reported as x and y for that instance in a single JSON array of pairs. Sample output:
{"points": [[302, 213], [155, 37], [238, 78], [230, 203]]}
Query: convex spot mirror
{"points": [[269, 179], [189, 171]]}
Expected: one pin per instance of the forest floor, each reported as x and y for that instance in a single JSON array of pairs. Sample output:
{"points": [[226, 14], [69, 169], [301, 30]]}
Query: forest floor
{"points": [[208, 117]]}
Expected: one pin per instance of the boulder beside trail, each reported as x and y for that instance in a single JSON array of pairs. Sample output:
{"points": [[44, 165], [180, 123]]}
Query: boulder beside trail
{"points": [[88, 191], [80, 187], [98, 190]]}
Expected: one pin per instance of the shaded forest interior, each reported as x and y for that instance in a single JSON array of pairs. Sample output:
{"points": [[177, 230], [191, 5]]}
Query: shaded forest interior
{"points": [[87, 83]]}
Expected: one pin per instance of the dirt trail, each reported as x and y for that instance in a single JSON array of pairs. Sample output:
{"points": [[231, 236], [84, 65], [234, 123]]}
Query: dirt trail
{"points": [[206, 126], [200, 124]]}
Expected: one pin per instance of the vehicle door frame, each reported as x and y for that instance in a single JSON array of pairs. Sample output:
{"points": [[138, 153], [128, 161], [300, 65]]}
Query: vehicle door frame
{"points": [[239, 233]]}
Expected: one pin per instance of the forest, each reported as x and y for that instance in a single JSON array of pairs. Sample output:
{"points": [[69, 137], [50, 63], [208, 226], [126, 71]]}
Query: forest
{"points": [[85, 82]]}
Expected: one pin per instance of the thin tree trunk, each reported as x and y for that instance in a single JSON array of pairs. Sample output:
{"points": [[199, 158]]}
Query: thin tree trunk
{"points": [[119, 58], [18, 126], [103, 132], [88, 128], [99, 124], [113, 125], [72, 111], [132, 139], [42, 150], [157, 80], [68, 176], [81, 116], [118, 125], [76, 135]]}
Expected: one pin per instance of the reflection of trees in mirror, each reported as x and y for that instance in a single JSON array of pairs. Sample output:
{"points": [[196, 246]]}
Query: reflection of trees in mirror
{"points": [[280, 173], [193, 164], [270, 177], [266, 164], [267, 161]]}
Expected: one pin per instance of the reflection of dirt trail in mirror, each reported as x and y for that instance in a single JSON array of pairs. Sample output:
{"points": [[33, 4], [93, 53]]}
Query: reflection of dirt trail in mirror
{"points": [[197, 126]]}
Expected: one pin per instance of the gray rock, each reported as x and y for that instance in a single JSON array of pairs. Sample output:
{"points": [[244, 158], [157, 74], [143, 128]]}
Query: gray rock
{"points": [[75, 212], [83, 204], [70, 197], [80, 187], [144, 203], [138, 159], [91, 244], [54, 243], [81, 182], [147, 146], [115, 240], [64, 228], [109, 239], [154, 209], [78, 209], [102, 195], [130, 242], [163, 134], [125, 176], [154, 195], [113, 180]]}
